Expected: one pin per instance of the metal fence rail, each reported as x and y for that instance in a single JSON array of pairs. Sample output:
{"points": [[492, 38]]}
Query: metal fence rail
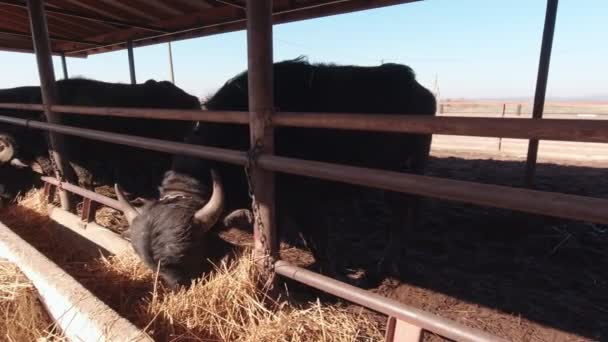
{"points": [[405, 313], [531, 201], [580, 130]]}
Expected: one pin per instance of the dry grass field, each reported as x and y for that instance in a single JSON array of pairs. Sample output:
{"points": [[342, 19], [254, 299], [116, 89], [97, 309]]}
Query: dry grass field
{"points": [[517, 148]]}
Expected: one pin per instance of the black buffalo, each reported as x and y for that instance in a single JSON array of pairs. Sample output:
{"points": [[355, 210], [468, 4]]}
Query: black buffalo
{"points": [[195, 193], [94, 162]]}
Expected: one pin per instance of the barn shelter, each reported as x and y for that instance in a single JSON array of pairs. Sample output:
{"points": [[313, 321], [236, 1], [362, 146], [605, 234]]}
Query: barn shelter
{"points": [[77, 28]]}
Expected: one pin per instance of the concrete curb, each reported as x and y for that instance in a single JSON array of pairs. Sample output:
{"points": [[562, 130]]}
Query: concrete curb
{"points": [[81, 315], [101, 236]]}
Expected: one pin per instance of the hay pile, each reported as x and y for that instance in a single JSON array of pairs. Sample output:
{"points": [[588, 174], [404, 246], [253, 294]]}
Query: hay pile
{"points": [[225, 306], [22, 315]]}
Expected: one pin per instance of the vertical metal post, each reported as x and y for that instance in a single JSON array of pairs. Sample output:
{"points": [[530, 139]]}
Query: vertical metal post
{"points": [[64, 64], [131, 61], [171, 64], [261, 105], [504, 109], [42, 48], [541, 86]]}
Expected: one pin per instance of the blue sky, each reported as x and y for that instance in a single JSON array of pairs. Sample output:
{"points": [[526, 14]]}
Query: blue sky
{"points": [[477, 49]]}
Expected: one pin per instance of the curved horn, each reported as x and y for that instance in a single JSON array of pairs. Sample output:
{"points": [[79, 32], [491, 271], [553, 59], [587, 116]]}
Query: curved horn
{"points": [[128, 210], [208, 215], [7, 150]]}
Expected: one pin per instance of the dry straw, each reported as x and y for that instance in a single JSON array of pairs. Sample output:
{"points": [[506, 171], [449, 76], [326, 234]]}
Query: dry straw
{"points": [[225, 306], [23, 317]]}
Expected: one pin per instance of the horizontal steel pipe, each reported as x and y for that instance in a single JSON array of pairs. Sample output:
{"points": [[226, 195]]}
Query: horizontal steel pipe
{"points": [[532, 201], [517, 128], [22, 106], [547, 129], [426, 320], [161, 114], [219, 154], [143, 113], [99, 198]]}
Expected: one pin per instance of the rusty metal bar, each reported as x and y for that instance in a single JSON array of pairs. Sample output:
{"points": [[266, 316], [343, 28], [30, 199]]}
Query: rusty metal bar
{"points": [[392, 308], [261, 105], [64, 66], [89, 207], [22, 106], [531, 201], [213, 153], [107, 201], [234, 117], [541, 87], [49, 191], [131, 61], [579, 130], [550, 129], [42, 48]]}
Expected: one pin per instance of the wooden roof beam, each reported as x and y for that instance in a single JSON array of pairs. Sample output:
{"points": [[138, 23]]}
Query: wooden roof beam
{"points": [[18, 20], [232, 3], [197, 4], [54, 38], [227, 19], [136, 12], [94, 9], [164, 7], [97, 18]]}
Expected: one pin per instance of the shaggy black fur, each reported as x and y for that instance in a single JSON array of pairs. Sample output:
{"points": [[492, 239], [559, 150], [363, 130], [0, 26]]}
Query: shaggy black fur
{"points": [[94, 162], [299, 87]]}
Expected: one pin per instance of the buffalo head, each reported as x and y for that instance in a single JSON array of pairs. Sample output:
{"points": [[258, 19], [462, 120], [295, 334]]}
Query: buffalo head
{"points": [[169, 233]]}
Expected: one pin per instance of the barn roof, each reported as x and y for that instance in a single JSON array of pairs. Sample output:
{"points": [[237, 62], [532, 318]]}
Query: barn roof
{"points": [[84, 27]]}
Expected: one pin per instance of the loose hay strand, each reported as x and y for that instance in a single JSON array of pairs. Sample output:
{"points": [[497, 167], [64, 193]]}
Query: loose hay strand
{"points": [[22, 315], [224, 306]]}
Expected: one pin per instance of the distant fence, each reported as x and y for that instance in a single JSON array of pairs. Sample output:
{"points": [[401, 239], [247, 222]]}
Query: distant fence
{"points": [[555, 150], [522, 109]]}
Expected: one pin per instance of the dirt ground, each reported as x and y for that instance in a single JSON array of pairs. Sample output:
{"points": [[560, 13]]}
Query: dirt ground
{"points": [[520, 276], [523, 277]]}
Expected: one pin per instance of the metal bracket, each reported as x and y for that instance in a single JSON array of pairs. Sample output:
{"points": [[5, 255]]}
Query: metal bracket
{"points": [[402, 331], [89, 207], [49, 192]]}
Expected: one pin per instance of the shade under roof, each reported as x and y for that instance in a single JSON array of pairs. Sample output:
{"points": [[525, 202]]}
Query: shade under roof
{"points": [[79, 28]]}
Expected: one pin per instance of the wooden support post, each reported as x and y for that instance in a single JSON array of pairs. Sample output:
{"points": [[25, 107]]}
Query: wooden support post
{"points": [[261, 105], [541, 86], [504, 109], [64, 65], [171, 73], [42, 48], [131, 61]]}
